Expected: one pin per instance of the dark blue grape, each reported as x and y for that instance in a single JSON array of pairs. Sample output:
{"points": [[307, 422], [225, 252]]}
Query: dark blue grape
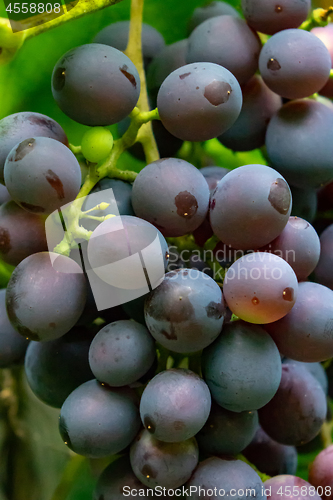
{"points": [[324, 269], [20, 126], [122, 192], [249, 130], [98, 421], [294, 136], [211, 9], [21, 233], [227, 432], [186, 312], [294, 63], [168, 60], [290, 487], [121, 353], [116, 35], [227, 41], [306, 333], [270, 16], [247, 218], [12, 344], [45, 299], [232, 479], [271, 457], [135, 309], [175, 405], [199, 101], [304, 203], [242, 367], [171, 194], [213, 175], [117, 481], [4, 195], [325, 34], [299, 245], [297, 411], [168, 465], [95, 84], [42, 174], [54, 369], [316, 369], [320, 472]]}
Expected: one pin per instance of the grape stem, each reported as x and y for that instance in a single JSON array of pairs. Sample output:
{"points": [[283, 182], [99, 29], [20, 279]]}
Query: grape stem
{"points": [[11, 42], [319, 17]]}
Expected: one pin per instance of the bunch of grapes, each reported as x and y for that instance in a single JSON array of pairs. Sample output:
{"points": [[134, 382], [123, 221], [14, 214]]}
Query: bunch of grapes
{"points": [[208, 380]]}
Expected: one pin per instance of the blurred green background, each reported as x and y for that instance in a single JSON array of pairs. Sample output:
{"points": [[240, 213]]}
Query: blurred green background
{"points": [[37, 456]]}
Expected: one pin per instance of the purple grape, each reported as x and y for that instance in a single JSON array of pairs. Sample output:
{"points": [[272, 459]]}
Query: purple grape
{"points": [[175, 405], [324, 270], [260, 288], [299, 245], [227, 41], [21, 233], [250, 218], [242, 367], [325, 34], [227, 432], [271, 457], [211, 9], [321, 473], [121, 353], [316, 369], [295, 135], [249, 130], [294, 64], [213, 175], [297, 411], [98, 421], [12, 344], [225, 478], [20, 126], [304, 203], [199, 101], [268, 16], [306, 333], [171, 194], [168, 465], [44, 299], [289, 487], [116, 35], [42, 175], [166, 61], [55, 368], [186, 312], [95, 84]]}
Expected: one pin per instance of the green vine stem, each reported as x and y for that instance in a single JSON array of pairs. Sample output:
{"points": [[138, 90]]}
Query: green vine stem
{"points": [[11, 42], [319, 17], [134, 52]]}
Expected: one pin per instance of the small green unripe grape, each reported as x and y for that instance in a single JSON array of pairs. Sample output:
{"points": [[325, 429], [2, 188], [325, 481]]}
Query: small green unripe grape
{"points": [[96, 144]]}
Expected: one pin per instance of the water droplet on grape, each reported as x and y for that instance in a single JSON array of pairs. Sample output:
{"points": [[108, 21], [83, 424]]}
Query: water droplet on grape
{"points": [[255, 301]]}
